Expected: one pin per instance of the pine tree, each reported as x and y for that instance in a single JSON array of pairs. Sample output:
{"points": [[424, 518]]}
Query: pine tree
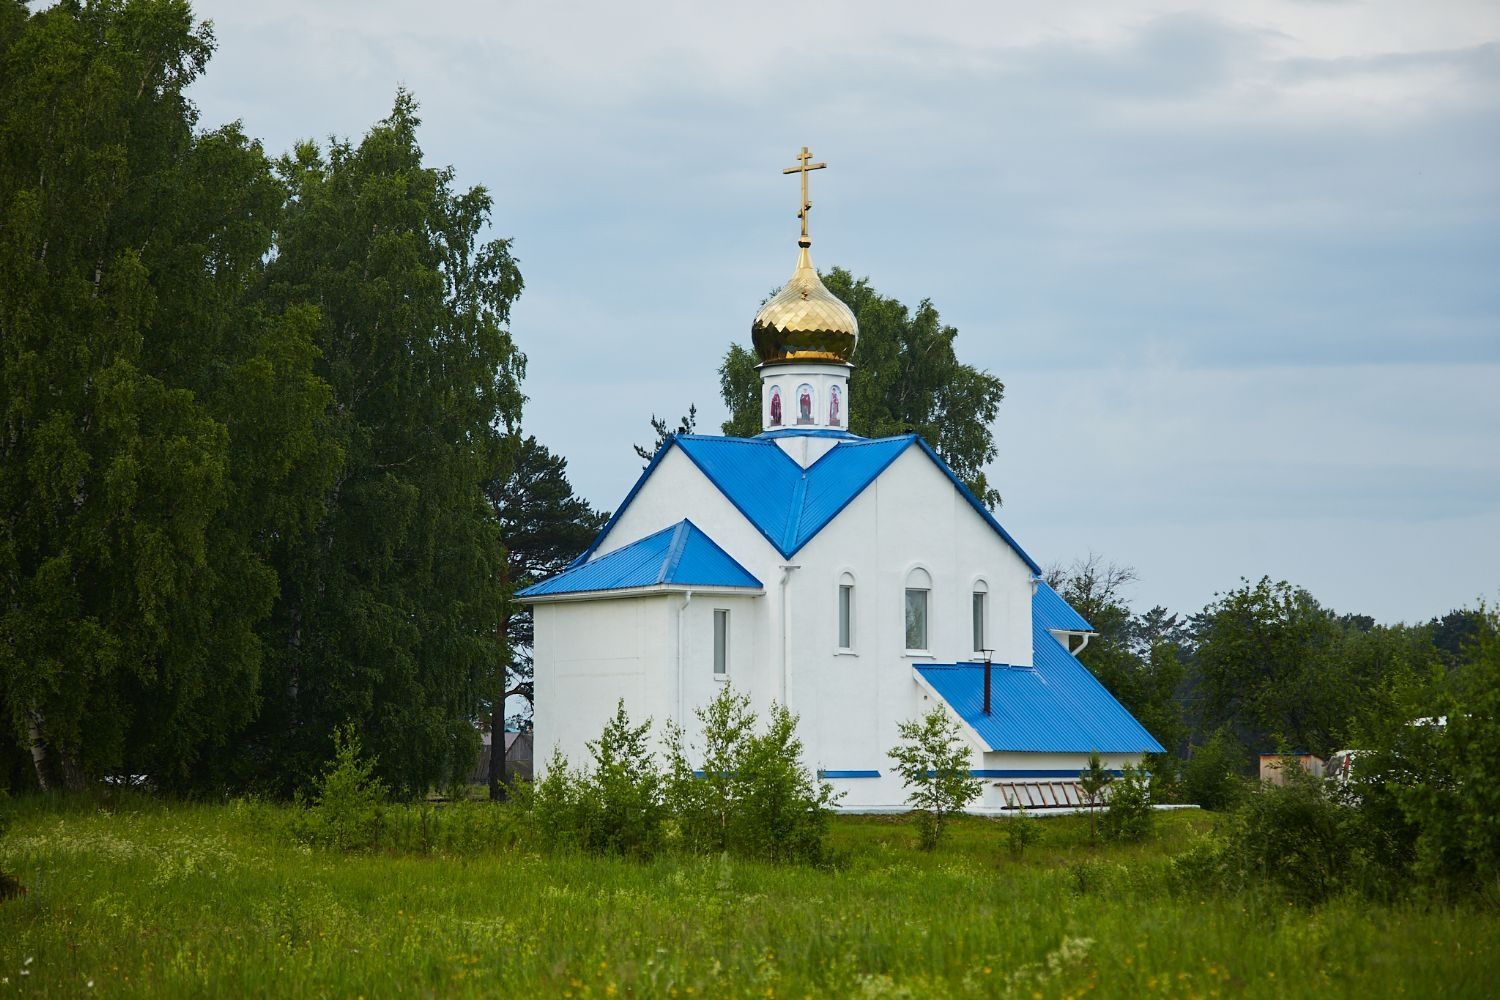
{"points": [[544, 525]]}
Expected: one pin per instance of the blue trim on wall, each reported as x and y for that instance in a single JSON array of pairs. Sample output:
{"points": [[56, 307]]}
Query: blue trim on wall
{"points": [[1029, 773], [848, 774]]}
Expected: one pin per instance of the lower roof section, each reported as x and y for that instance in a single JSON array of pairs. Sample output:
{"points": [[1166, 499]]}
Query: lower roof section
{"points": [[678, 556], [1056, 706]]}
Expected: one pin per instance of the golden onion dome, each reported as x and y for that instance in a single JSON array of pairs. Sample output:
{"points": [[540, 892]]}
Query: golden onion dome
{"points": [[805, 321]]}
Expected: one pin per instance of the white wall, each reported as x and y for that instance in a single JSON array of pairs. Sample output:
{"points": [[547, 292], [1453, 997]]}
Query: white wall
{"points": [[851, 704], [588, 656]]}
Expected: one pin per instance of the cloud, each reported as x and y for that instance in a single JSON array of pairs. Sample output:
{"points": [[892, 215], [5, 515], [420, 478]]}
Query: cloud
{"points": [[1259, 231]]}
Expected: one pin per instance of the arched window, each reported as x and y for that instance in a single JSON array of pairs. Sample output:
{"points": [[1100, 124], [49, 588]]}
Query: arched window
{"points": [[846, 611], [980, 612], [918, 599]]}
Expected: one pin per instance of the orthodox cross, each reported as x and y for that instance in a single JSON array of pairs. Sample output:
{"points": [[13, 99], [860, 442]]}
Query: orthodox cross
{"points": [[802, 168]]}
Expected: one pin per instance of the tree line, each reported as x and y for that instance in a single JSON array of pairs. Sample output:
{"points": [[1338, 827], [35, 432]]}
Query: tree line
{"points": [[260, 431], [1263, 668]]}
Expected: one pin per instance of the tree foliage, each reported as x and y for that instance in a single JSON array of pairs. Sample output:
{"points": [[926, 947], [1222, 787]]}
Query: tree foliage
{"points": [[162, 426], [907, 379], [933, 761], [1139, 658], [751, 796], [687, 424], [746, 790], [389, 612], [1093, 782]]}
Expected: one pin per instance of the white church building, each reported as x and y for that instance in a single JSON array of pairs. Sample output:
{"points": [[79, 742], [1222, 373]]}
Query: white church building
{"points": [[854, 580]]}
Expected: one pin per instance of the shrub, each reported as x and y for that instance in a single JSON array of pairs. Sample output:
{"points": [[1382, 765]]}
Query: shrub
{"points": [[1128, 816], [1166, 777], [349, 800], [782, 809], [703, 800], [752, 796], [1294, 838], [1021, 831], [1092, 782], [557, 812], [1212, 776], [617, 808], [933, 761]]}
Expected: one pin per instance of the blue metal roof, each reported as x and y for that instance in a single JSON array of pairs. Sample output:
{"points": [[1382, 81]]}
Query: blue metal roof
{"points": [[680, 555], [787, 504], [1054, 706], [1056, 613]]}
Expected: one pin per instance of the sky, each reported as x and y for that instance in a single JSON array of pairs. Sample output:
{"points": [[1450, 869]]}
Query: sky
{"points": [[1237, 264]]}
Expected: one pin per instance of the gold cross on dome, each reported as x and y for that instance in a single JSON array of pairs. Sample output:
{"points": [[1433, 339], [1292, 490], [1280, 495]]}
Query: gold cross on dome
{"points": [[802, 168]]}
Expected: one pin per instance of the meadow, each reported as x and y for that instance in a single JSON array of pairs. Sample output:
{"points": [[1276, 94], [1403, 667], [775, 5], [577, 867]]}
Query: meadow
{"points": [[132, 896]]}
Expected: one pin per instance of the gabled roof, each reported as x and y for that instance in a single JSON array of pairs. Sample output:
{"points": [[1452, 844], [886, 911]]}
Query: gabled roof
{"points": [[1055, 613], [1054, 706], [680, 555], [788, 504]]}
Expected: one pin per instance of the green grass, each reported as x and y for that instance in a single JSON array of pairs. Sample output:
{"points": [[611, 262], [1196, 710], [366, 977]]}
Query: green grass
{"points": [[181, 900]]}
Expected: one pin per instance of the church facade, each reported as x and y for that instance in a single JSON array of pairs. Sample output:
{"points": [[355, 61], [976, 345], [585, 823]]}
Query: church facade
{"points": [[856, 581]]}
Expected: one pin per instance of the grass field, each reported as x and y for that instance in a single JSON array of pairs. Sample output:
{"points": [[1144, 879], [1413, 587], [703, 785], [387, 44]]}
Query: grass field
{"points": [[181, 900]]}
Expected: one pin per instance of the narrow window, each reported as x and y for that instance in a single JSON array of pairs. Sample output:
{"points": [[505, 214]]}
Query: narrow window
{"points": [[721, 642], [916, 618], [979, 645], [846, 615]]}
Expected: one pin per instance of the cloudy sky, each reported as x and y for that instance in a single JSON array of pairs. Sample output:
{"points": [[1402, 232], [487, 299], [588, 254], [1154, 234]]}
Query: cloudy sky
{"points": [[1238, 264]]}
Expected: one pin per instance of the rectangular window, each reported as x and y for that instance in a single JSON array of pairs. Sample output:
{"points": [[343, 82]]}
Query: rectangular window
{"points": [[978, 621], [721, 642], [846, 616], [916, 619]]}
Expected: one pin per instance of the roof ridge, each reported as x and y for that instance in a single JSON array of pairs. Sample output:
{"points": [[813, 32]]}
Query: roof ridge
{"points": [[794, 511], [674, 550]]}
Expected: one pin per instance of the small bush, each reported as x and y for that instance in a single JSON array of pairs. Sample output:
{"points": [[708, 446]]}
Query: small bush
{"points": [[1294, 838], [622, 802], [1021, 831], [1212, 776], [350, 801], [558, 813], [752, 796], [617, 808], [933, 761], [703, 800], [1093, 782], [1128, 817], [782, 811]]}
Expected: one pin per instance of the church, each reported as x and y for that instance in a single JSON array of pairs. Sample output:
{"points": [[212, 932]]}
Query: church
{"points": [[856, 581]]}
